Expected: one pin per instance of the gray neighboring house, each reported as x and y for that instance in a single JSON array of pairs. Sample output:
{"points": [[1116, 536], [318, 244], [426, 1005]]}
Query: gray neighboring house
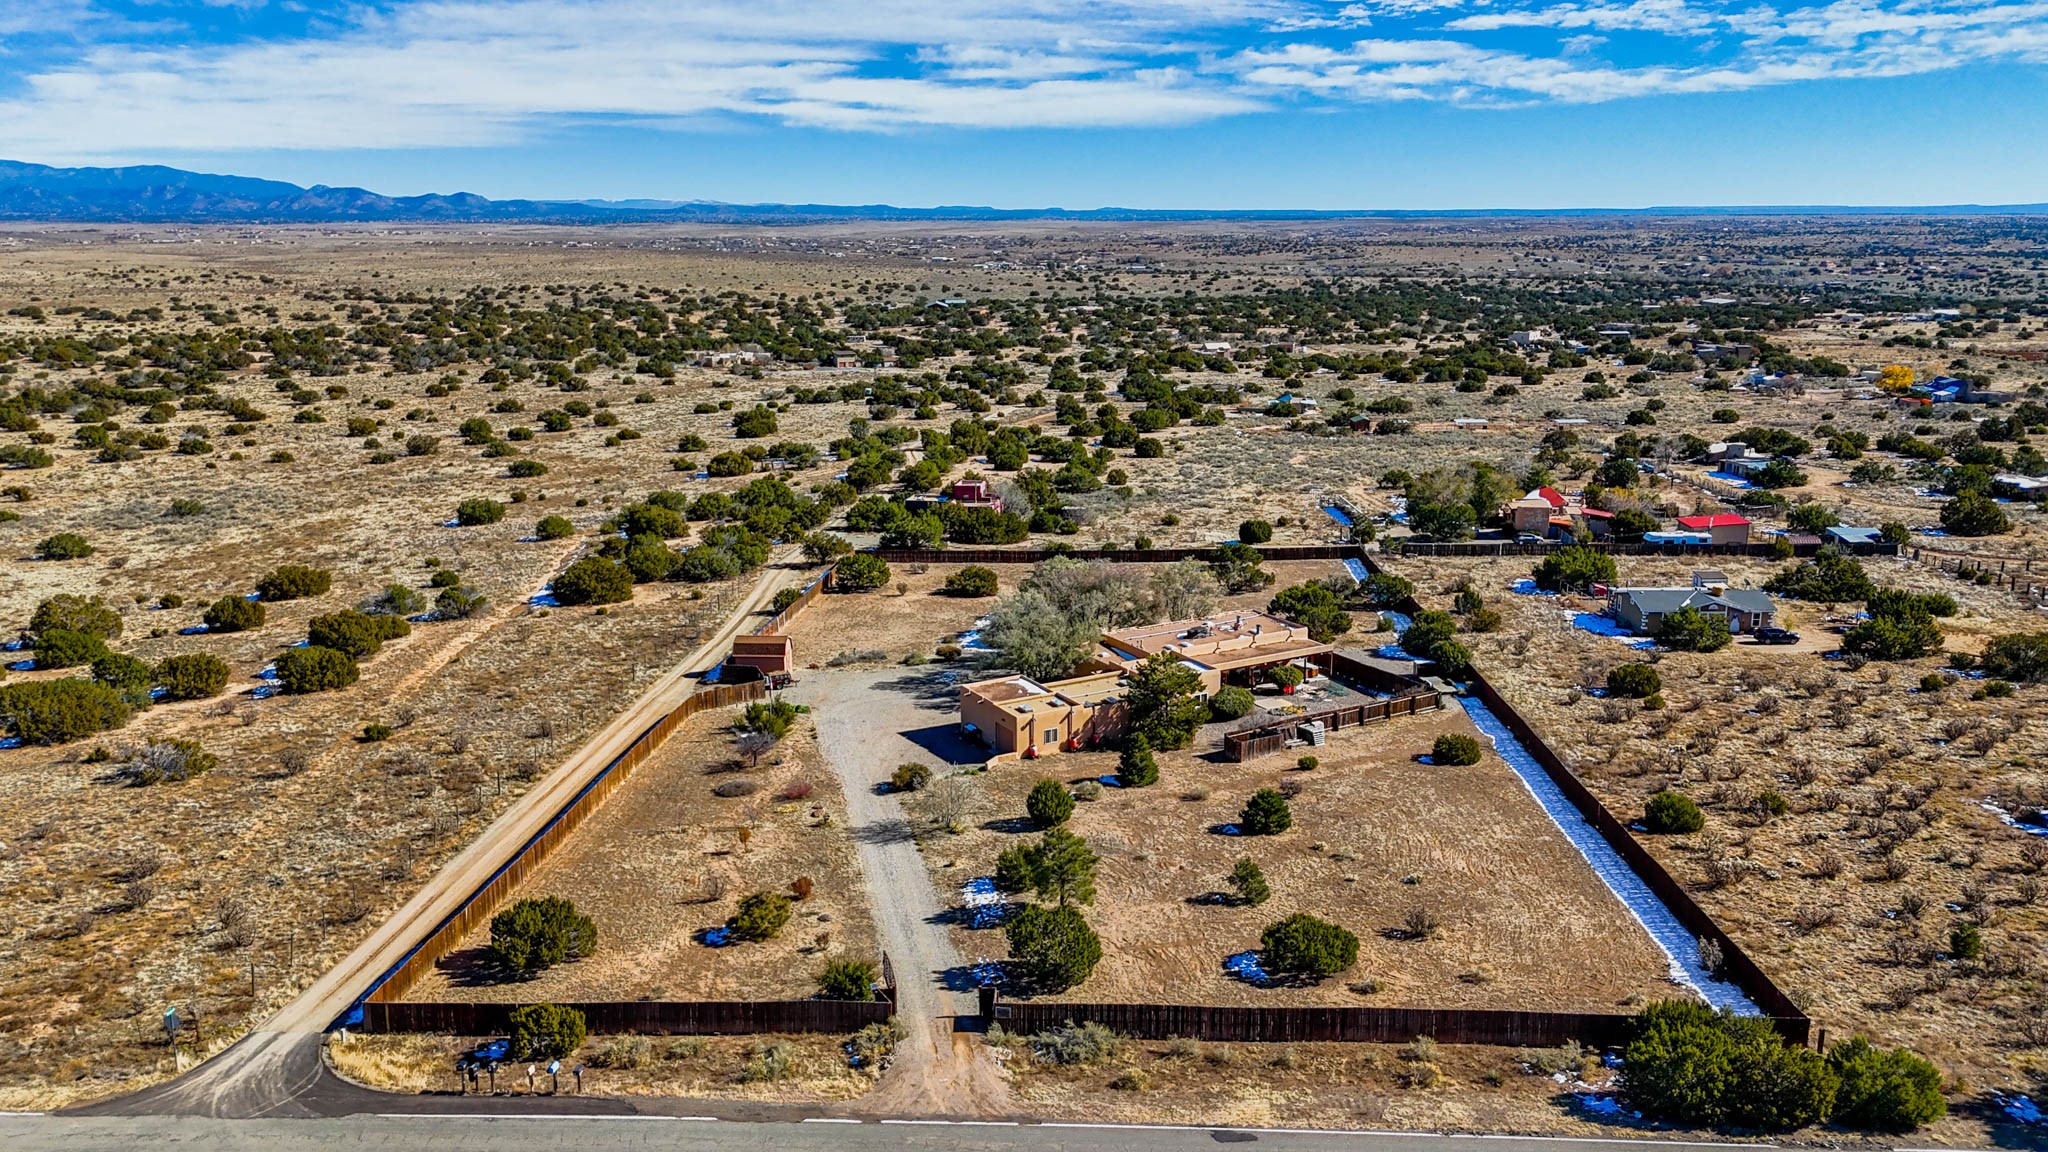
{"points": [[1641, 610], [1847, 534]]}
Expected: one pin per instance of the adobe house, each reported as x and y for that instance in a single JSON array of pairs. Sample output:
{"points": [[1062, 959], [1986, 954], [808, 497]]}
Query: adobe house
{"points": [[1018, 716], [1226, 649], [770, 652]]}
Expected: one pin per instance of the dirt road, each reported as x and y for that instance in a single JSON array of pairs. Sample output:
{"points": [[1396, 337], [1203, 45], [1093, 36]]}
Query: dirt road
{"points": [[866, 721], [261, 1073]]}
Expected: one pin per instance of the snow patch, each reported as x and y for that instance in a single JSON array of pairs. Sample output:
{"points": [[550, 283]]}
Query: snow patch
{"points": [[1603, 1105], [2021, 1109], [986, 907], [2031, 828], [1246, 967], [717, 937], [1527, 587]]}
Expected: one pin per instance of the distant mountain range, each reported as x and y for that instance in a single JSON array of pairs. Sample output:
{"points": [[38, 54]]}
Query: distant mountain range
{"points": [[151, 194]]}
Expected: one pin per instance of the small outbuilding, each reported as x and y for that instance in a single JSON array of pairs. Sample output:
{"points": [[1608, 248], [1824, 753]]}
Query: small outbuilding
{"points": [[770, 652]]}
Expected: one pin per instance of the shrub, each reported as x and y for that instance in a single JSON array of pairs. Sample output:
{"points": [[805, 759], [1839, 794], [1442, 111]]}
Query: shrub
{"points": [[359, 635], [376, 733], [63, 648], [1965, 942], [58, 711], [1635, 680], [1254, 532], [315, 669], [1285, 676], [1690, 630], [1308, 763], [1574, 569], [233, 614], [847, 980], [1249, 880], [1691, 1065], [76, 614], [1049, 806], [478, 510], [294, 582], [1136, 767], [1076, 1045], [593, 580], [192, 676], [526, 469], [1888, 1091], [1232, 703], [1054, 946], [972, 581], [166, 762], [860, 572], [553, 528], [1672, 813], [729, 464], [1972, 513], [624, 1053], [910, 777], [540, 932], [1302, 945], [760, 916], [546, 1031], [1265, 814], [63, 546], [126, 675], [458, 603], [395, 600], [1454, 748]]}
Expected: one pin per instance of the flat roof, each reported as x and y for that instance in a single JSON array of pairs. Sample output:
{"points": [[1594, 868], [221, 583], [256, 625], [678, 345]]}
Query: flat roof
{"points": [[1007, 689]]}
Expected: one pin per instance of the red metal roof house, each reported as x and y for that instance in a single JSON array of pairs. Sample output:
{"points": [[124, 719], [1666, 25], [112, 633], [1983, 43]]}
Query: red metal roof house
{"points": [[1720, 527]]}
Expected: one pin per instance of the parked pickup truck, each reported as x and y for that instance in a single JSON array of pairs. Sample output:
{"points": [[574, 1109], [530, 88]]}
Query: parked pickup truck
{"points": [[1776, 636]]}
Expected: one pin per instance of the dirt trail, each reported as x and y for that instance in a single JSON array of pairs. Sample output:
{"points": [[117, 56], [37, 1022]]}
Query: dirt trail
{"points": [[935, 1071], [258, 1075]]}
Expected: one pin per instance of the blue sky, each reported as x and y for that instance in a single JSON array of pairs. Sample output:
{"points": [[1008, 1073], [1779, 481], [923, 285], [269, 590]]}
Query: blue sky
{"points": [[1076, 103]]}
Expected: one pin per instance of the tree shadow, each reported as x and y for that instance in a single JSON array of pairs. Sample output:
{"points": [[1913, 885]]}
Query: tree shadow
{"points": [[1013, 825], [885, 832], [476, 968], [935, 689], [1216, 900]]}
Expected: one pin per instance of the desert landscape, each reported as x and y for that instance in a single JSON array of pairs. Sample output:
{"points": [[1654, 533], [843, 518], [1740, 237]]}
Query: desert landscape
{"points": [[330, 544]]}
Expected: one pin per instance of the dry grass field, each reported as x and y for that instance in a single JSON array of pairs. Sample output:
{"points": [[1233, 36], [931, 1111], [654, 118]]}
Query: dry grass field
{"points": [[668, 858], [1848, 899], [1524, 922], [695, 1067]]}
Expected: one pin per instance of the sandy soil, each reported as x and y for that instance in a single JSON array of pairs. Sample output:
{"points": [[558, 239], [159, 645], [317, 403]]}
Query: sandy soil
{"points": [[664, 861], [1874, 770]]}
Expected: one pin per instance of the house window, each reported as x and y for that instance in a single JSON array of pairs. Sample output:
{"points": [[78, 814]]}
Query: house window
{"points": [[1052, 735]]}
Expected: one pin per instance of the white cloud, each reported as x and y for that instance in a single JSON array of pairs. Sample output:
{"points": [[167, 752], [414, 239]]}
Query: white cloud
{"points": [[416, 73]]}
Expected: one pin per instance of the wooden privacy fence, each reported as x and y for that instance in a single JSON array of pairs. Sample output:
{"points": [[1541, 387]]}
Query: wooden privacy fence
{"points": [[811, 592], [1116, 555], [642, 1017], [482, 903], [1266, 739], [1791, 1021], [1320, 1025], [1511, 548]]}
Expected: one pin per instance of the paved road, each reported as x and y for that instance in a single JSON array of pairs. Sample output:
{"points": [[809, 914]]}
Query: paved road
{"points": [[431, 1134], [265, 1072], [865, 722]]}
